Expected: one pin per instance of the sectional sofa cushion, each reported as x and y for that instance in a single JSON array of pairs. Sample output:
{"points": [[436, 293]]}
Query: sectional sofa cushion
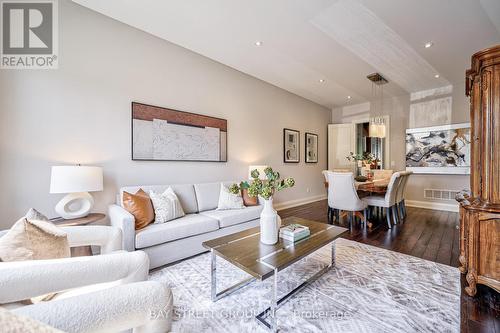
{"points": [[185, 193], [189, 225], [228, 200], [140, 206], [228, 218], [248, 200], [166, 205], [207, 195]]}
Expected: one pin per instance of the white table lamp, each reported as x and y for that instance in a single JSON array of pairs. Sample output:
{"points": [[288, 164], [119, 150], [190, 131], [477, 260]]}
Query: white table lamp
{"points": [[77, 181], [260, 168]]}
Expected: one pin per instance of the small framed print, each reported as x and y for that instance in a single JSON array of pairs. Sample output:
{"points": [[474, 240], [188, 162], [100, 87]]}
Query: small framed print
{"points": [[291, 146], [311, 145]]}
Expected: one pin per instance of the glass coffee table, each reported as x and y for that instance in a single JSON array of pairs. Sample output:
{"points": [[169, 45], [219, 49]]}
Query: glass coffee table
{"points": [[245, 251]]}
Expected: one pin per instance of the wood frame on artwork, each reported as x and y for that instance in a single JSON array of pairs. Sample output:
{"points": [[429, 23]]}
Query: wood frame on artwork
{"points": [[297, 133], [305, 147], [187, 121]]}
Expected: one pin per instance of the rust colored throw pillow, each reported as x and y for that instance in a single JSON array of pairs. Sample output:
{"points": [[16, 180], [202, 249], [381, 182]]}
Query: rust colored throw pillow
{"points": [[140, 206], [248, 200]]}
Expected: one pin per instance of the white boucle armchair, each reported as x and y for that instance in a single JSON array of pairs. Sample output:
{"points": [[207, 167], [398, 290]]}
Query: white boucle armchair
{"points": [[103, 293]]}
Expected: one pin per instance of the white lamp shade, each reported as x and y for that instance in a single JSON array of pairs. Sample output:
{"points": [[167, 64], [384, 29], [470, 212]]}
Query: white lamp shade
{"points": [[259, 168], [74, 179]]}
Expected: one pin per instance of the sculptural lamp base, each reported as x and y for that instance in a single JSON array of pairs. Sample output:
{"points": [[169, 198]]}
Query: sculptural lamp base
{"points": [[75, 205], [270, 224]]}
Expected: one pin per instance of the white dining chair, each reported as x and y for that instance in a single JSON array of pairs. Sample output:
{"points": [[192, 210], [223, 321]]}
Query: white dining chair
{"points": [[325, 174], [342, 196], [400, 195], [387, 201], [330, 212]]}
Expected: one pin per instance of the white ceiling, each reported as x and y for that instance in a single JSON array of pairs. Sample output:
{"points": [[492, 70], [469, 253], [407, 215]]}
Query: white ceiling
{"points": [[338, 41]]}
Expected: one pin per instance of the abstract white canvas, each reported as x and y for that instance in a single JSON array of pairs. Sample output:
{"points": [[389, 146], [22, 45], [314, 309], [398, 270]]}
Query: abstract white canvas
{"points": [[162, 134], [143, 139], [182, 142]]}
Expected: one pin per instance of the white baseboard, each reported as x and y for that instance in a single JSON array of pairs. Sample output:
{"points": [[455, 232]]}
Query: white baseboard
{"points": [[449, 207], [298, 202]]}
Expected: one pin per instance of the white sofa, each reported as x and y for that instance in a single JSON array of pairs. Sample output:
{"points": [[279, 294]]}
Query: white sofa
{"points": [[181, 238]]}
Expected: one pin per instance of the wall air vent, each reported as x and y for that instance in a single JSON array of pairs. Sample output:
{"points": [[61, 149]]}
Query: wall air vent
{"points": [[440, 194], [377, 79]]}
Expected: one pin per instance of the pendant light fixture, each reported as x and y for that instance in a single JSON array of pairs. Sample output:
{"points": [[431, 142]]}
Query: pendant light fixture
{"points": [[377, 127]]}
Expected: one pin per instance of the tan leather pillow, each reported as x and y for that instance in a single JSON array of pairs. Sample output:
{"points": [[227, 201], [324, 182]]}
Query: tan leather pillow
{"points": [[248, 200], [140, 206], [34, 240]]}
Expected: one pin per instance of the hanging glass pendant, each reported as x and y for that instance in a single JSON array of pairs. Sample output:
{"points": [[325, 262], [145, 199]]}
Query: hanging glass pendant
{"points": [[377, 128]]}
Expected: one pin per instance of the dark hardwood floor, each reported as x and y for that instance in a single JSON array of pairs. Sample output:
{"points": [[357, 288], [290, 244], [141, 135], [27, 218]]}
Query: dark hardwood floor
{"points": [[428, 234]]}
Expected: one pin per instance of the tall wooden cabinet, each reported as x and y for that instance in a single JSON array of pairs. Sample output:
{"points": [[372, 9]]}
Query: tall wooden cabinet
{"points": [[480, 209]]}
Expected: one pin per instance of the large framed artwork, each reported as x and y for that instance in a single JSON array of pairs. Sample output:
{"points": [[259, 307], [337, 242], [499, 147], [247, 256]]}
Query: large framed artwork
{"points": [[311, 146], [161, 134], [291, 146], [439, 149]]}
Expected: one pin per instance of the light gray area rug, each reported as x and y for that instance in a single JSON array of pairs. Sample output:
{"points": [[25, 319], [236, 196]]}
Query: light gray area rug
{"points": [[369, 290]]}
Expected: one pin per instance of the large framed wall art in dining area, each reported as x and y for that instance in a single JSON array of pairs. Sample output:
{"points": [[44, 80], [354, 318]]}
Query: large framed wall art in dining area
{"points": [[439, 149], [161, 134]]}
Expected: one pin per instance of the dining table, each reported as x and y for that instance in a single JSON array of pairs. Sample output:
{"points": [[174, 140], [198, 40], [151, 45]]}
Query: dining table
{"points": [[369, 187]]}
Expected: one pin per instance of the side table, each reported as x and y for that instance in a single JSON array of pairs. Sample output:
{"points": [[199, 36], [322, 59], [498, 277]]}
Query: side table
{"points": [[91, 218]]}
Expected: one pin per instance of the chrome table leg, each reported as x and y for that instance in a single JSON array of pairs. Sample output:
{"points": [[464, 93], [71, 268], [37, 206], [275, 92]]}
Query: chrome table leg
{"points": [[274, 302], [262, 317], [333, 254], [213, 274]]}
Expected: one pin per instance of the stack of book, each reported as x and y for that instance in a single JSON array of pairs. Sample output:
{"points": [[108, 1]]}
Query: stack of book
{"points": [[294, 232]]}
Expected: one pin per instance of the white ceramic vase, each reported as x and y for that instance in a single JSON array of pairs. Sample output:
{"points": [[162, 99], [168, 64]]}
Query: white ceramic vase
{"points": [[270, 223]]}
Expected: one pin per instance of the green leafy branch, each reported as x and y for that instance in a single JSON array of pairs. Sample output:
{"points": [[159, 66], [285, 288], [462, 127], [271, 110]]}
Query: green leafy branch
{"points": [[264, 188]]}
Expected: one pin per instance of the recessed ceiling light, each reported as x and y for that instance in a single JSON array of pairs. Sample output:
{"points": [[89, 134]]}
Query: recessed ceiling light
{"points": [[348, 97], [258, 43], [428, 45], [436, 76], [321, 80]]}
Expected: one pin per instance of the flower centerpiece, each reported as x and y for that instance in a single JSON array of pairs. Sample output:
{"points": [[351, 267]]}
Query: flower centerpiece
{"points": [[270, 222], [365, 161]]}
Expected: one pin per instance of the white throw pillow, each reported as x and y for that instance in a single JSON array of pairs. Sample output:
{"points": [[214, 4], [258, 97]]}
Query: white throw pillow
{"points": [[228, 200], [166, 205]]}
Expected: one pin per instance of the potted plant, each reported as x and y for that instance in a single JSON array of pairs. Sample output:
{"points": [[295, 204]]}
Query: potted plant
{"points": [[270, 222]]}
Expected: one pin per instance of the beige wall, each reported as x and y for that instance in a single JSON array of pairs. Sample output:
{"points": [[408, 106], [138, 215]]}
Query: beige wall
{"points": [[399, 110], [80, 113]]}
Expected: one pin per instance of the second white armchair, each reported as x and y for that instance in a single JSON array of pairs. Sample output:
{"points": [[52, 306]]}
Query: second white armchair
{"points": [[104, 293]]}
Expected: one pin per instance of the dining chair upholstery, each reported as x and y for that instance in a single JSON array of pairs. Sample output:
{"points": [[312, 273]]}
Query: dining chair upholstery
{"points": [[399, 190], [342, 192], [388, 200], [325, 174], [330, 211], [400, 197], [382, 173]]}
